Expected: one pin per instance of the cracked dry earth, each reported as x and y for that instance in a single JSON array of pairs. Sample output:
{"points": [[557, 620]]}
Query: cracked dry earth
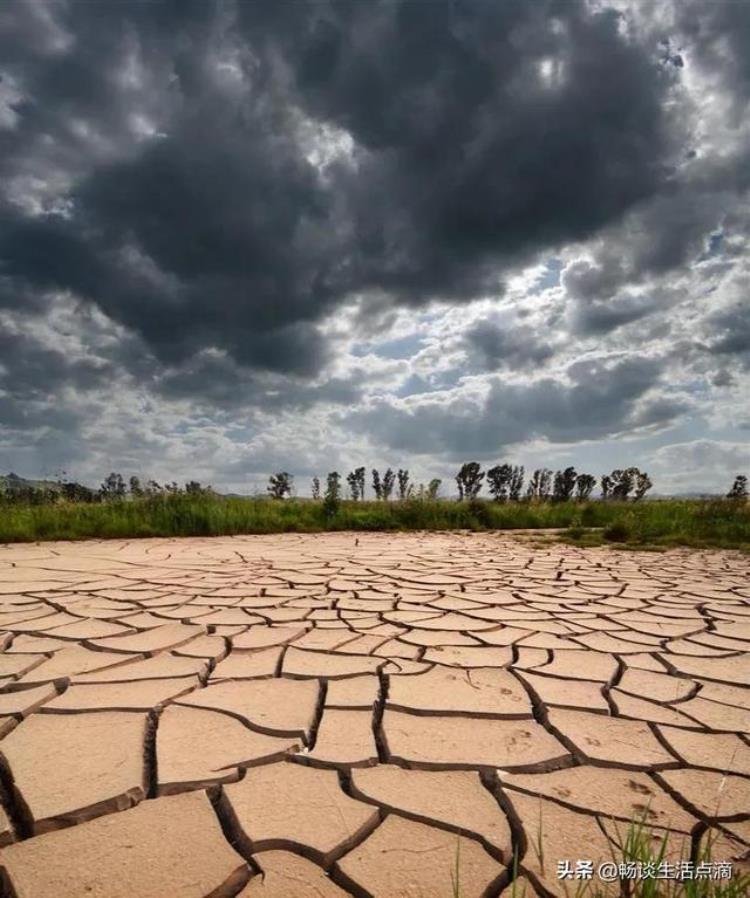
{"points": [[331, 715]]}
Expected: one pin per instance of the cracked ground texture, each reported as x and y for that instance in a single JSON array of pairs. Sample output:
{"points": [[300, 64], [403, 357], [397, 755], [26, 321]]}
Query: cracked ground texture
{"points": [[331, 715]]}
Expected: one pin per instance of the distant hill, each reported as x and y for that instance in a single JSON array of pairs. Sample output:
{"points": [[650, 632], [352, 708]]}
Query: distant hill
{"points": [[12, 483]]}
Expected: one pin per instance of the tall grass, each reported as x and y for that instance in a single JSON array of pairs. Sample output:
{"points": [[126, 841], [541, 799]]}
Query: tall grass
{"points": [[670, 522]]}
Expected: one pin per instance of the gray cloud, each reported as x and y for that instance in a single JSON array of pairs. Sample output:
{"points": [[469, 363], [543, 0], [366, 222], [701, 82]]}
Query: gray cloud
{"points": [[600, 400], [493, 344], [730, 333], [719, 35], [220, 232], [231, 195]]}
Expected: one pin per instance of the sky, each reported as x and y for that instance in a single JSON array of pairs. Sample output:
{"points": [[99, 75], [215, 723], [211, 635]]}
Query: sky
{"points": [[244, 237]]}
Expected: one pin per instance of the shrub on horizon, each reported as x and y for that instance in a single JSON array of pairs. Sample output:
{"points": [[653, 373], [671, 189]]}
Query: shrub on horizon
{"points": [[739, 488], [113, 487]]}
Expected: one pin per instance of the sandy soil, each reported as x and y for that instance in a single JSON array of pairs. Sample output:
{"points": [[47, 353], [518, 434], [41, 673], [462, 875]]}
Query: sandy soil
{"points": [[332, 715]]}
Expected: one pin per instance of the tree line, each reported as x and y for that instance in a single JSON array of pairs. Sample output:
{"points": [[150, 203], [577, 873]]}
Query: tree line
{"points": [[113, 487], [504, 483]]}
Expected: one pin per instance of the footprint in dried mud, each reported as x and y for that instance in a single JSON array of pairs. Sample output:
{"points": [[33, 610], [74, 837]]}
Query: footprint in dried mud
{"points": [[644, 812], [639, 787]]}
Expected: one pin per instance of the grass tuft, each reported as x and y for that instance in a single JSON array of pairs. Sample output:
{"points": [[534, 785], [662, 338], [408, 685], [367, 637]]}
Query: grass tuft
{"points": [[637, 847]]}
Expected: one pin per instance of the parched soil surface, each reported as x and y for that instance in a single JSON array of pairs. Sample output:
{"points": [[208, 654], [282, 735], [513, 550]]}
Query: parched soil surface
{"points": [[332, 715]]}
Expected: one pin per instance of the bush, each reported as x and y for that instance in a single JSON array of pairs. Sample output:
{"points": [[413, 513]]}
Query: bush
{"points": [[616, 533]]}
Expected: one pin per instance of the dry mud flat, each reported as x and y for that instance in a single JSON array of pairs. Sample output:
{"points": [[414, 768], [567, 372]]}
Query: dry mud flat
{"points": [[331, 715]]}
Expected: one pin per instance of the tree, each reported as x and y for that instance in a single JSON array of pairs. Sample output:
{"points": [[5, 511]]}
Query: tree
{"points": [[498, 480], [316, 487], [624, 481], [389, 481], [621, 483], [359, 476], [540, 484], [153, 488], [642, 484], [565, 483], [516, 483], [332, 497], [76, 492], [113, 487], [433, 488], [194, 488], [280, 485], [584, 486], [403, 484], [377, 486], [356, 481], [136, 490], [739, 488], [469, 480]]}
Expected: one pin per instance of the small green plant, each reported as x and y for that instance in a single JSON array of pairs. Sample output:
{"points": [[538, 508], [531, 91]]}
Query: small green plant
{"points": [[640, 852], [456, 872], [637, 850], [576, 530], [642, 865], [516, 890]]}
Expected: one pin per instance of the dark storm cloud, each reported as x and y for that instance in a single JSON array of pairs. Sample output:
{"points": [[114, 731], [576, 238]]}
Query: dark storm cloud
{"points": [[32, 371], [585, 281], [598, 317], [218, 383], [719, 34], [467, 157], [597, 306], [492, 344], [667, 233], [603, 317], [730, 334], [601, 400], [32, 377], [216, 230]]}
